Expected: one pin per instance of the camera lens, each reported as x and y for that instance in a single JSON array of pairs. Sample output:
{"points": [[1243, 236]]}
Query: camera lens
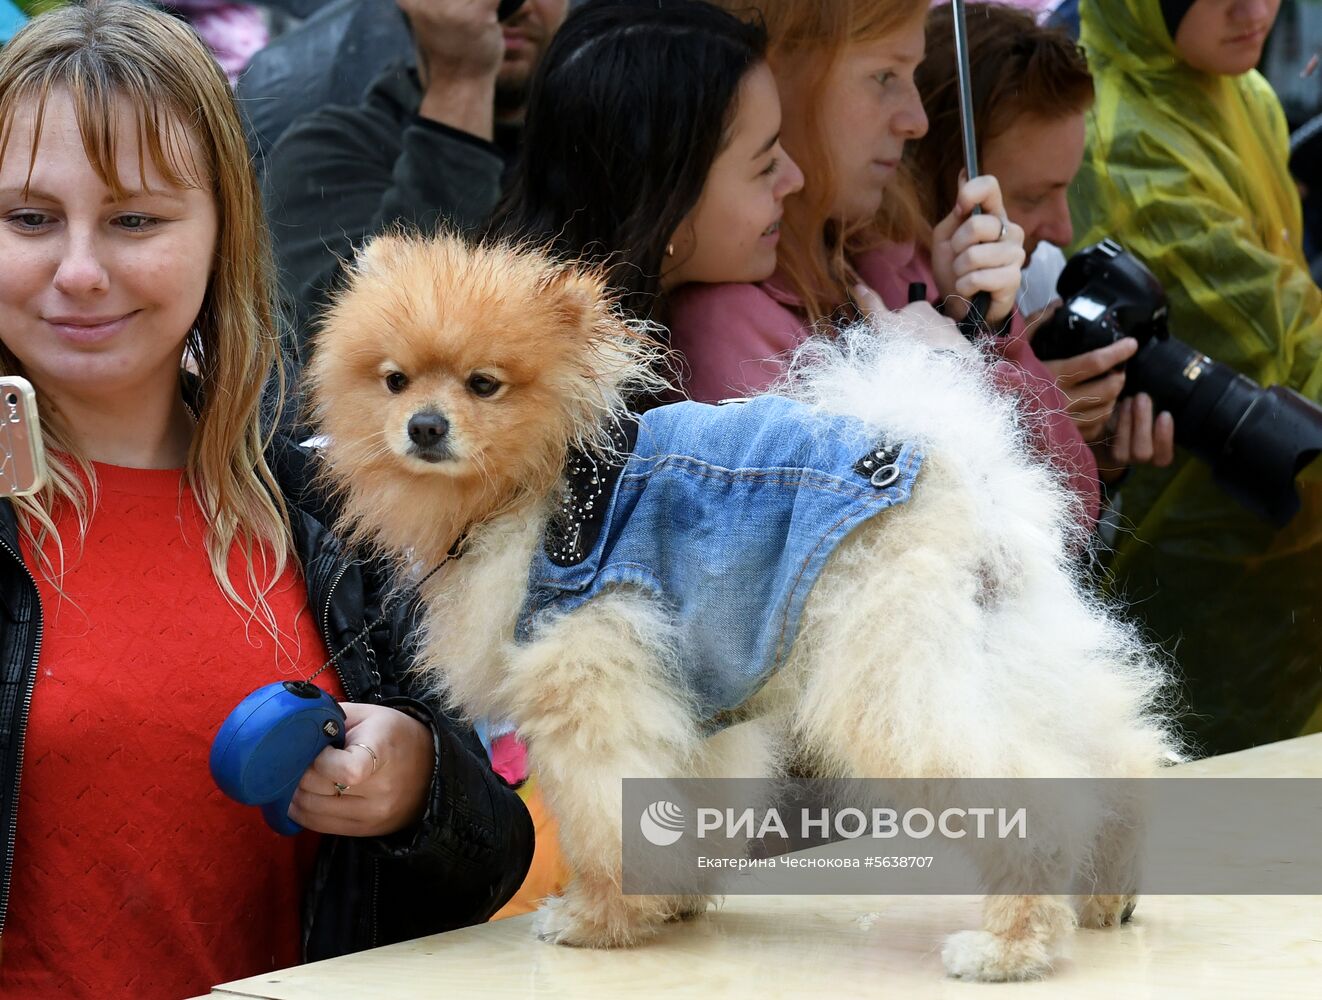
{"points": [[1256, 440], [1186, 382], [11, 398]]}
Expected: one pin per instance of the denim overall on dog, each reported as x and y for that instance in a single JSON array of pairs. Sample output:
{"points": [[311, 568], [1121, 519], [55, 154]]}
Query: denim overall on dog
{"points": [[726, 514]]}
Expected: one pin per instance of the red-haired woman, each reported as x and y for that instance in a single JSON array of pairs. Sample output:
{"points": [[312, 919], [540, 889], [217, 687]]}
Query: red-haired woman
{"points": [[854, 241]]}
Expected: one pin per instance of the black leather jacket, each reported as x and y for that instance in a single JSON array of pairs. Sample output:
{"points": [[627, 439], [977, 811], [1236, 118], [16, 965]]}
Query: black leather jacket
{"points": [[458, 866]]}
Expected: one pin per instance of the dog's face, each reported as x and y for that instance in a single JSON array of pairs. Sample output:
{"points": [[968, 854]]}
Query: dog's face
{"points": [[469, 366]]}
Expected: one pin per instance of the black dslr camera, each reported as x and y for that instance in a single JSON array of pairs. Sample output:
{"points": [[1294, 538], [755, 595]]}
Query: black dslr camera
{"points": [[1256, 440]]}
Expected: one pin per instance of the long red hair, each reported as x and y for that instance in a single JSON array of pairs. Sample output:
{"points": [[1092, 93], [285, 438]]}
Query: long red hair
{"points": [[805, 40]]}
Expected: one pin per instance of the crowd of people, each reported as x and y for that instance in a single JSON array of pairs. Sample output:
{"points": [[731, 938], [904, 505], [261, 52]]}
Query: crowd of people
{"points": [[751, 173]]}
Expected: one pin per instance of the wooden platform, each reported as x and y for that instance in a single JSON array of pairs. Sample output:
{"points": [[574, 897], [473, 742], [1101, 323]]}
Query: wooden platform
{"points": [[862, 946]]}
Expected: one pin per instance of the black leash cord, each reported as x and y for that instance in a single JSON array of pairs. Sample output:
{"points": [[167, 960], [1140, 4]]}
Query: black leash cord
{"points": [[385, 610]]}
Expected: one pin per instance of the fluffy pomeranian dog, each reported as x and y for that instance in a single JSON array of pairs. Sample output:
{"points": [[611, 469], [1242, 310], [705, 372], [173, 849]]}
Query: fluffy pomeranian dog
{"points": [[473, 405]]}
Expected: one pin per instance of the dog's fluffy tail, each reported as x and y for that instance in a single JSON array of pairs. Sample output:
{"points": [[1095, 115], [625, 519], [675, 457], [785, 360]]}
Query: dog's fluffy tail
{"points": [[948, 402], [1002, 536]]}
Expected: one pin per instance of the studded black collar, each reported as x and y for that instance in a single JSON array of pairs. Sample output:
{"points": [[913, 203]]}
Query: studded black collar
{"points": [[589, 482]]}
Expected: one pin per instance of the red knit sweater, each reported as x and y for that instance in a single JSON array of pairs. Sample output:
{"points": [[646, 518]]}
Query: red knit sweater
{"points": [[133, 875]]}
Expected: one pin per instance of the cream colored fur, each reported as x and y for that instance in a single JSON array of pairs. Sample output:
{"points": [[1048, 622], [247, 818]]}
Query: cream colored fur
{"points": [[984, 659], [946, 638]]}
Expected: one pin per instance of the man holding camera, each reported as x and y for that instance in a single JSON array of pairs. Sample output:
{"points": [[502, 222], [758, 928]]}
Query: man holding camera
{"points": [[1031, 94], [1187, 168], [1245, 633]]}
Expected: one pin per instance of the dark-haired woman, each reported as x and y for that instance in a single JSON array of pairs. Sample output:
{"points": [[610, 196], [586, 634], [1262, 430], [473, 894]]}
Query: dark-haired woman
{"points": [[653, 144]]}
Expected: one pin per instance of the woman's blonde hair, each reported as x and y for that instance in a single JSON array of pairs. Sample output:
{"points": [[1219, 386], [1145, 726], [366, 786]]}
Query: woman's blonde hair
{"points": [[103, 55], [806, 38]]}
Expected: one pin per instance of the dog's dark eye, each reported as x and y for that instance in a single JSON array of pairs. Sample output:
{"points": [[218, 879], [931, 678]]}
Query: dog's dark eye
{"points": [[397, 382], [483, 385]]}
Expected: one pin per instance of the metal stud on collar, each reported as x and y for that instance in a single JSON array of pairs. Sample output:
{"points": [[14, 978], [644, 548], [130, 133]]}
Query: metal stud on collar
{"points": [[878, 466], [587, 479]]}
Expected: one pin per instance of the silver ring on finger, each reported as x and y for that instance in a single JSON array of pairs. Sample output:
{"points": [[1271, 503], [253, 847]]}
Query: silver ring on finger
{"points": [[1005, 228], [376, 761]]}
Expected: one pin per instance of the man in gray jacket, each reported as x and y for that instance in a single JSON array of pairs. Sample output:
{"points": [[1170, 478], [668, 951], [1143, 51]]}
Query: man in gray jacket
{"points": [[427, 146]]}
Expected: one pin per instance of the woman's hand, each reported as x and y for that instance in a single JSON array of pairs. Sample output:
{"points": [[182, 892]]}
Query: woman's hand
{"points": [[918, 318], [377, 784], [978, 253]]}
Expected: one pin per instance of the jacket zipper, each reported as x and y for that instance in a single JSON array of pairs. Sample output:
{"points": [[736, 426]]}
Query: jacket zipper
{"points": [[20, 732], [326, 638], [325, 629], [376, 896]]}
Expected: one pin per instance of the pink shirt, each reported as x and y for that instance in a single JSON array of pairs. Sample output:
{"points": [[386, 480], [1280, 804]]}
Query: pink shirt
{"points": [[735, 340]]}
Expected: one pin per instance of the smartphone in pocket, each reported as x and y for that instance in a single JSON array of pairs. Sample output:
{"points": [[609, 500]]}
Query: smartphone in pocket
{"points": [[22, 457]]}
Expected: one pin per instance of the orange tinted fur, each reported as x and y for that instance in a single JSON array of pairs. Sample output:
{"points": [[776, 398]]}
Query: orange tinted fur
{"points": [[439, 311], [963, 684]]}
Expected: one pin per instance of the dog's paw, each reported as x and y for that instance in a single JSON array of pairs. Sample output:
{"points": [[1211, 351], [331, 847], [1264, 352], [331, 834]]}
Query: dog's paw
{"points": [[1106, 911], [980, 956], [692, 907], [555, 924], [567, 921]]}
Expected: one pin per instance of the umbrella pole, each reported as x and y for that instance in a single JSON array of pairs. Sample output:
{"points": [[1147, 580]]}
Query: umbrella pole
{"points": [[976, 320], [965, 90]]}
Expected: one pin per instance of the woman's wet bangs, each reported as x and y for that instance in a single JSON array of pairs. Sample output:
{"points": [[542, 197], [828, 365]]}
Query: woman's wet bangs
{"points": [[161, 132]]}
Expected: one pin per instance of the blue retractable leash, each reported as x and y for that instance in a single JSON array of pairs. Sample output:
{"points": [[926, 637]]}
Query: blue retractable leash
{"points": [[262, 749]]}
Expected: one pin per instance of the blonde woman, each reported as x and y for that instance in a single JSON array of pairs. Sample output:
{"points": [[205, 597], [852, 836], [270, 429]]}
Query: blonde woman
{"points": [[853, 240], [177, 561]]}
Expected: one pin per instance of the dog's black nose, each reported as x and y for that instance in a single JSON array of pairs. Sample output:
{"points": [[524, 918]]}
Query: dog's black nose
{"points": [[427, 430]]}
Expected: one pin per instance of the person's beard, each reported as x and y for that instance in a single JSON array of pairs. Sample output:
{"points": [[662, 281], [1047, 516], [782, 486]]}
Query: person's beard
{"points": [[512, 93]]}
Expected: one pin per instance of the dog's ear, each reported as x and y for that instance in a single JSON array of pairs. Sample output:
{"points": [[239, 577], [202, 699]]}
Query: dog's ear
{"points": [[576, 297], [376, 256]]}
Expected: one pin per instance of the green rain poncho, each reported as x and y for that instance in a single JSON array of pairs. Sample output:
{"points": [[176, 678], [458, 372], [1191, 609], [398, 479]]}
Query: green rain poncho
{"points": [[1189, 172]]}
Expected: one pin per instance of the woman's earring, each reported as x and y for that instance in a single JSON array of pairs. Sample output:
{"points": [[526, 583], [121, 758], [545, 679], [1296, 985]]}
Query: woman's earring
{"points": [[670, 249]]}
